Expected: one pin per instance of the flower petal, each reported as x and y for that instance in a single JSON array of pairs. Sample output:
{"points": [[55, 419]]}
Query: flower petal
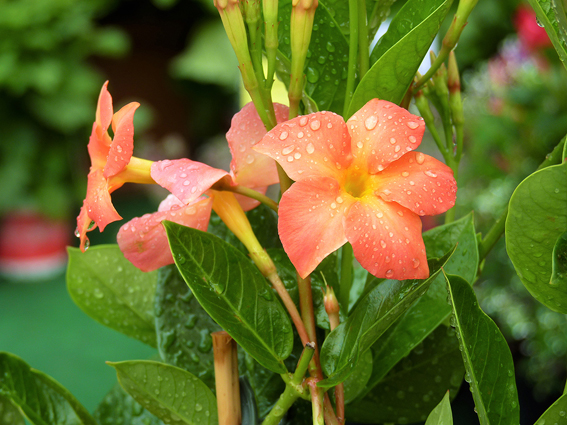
{"points": [[104, 109], [98, 203], [143, 240], [381, 133], [418, 182], [386, 239], [314, 145], [311, 215], [186, 179], [83, 226], [98, 147], [249, 167], [122, 145]]}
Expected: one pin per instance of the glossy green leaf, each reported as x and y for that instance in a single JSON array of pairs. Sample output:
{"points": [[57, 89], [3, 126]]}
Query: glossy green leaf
{"points": [[183, 327], [9, 414], [442, 414], [415, 385], [234, 293], [41, 399], [376, 12], [559, 262], [357, 380], [400, 51], [327, 57], [556, 414], [109, 289], [370, 318], [552, 15], [537, 217], [486, 356], [248, 403], [170, 393], [118, 407]]}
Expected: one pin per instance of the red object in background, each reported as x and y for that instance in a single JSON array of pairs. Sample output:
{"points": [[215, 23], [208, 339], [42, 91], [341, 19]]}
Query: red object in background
{"points": [[531, 35], [32, 246]]}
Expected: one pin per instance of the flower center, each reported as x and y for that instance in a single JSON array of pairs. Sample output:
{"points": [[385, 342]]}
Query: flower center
{"points": [[356, 184]]}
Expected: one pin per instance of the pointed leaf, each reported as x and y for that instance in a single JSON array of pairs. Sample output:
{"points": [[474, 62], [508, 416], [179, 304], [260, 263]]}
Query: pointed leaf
{"points": [[109, 289], [370, 318], [487, 358], [400, 51], [183, 328], [441, 415], [357, 380], [234, 293], [41, 399], [556, 413], [537, 217], [168, 392], [552, 16], [411, 389]]}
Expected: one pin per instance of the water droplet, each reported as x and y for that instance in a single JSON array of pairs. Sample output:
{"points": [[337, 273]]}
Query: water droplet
{"points": [[359, 145], [119, 149], [420, 158], [249, 160], [284, 135], [412, 139], [315, 124], [430, 173], [538, 22], [392, 141], [405, 174], [370, 122], [303, 121], [191, 321], [288, 149], [339, 200], [415, 263], [310, 148], [389, 273], [412, 124], [312, 75], [198, 407], [330, 47]]}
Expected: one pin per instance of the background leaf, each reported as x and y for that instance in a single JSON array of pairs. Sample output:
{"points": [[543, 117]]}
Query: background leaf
{"points": [[168, 392], [537, 217], [486, 356], [370, 318], [559, 262], [109, 289], [412, 388], [183, 327], [441, 415], [40, 398], [234, 293], [556, 413], [400, 51], [9, 414]]}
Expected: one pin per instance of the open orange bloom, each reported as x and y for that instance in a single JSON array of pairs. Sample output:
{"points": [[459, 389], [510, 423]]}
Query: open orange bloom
{"points": [[112, 165], [359, 182]]}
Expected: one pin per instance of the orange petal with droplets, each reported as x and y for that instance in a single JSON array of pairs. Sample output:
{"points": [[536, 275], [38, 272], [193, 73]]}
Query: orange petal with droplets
{"points": [[104, 108], [98, 203], [122, 145]]}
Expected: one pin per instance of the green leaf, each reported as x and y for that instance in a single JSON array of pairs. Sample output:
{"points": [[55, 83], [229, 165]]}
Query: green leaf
{"points": [[441, 415], [326, 62], [559, 262], [234, 293], [118, 407], [248, 403], [537, 217], [168, 392], [356, 382], [41, 399], [9, 414], [412, 388], [370, 318], [400, 51], [109, 289], [183, 327], [556, 413], [486, 356], [551, 14], [377, 11]]}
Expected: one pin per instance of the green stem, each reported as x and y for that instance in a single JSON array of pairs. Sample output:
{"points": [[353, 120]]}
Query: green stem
{"points": [[353, 53], [303, 363], [347, 258], [498, 227], [283, 404], [363, 48], [251, 193]]}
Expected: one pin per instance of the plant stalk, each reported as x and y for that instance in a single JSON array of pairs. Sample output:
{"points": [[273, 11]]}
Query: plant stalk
{"points": [[226, 379]]}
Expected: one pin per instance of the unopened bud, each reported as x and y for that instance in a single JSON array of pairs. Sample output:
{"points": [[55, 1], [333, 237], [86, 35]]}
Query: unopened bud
{"points": [[423, 106], [440, 82], [332, 307], [251, 11], [454, 80]]}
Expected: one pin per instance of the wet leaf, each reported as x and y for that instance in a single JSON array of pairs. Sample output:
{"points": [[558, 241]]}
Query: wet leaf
{"points": [[9, 414], [170, 393], [537, 217], [248, 403], [556, 414], [41, 399], [234, 293], [400, 51], [356, 382], [559, 262], [442, 414], [369, 319], [109, 289], [486, 356]]}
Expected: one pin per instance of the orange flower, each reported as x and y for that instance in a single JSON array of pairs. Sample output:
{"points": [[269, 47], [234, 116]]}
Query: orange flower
{"points": [[358, 182]]}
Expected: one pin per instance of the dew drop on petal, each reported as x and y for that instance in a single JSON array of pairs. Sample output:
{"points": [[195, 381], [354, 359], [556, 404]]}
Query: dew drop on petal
{"points": [[288, 149], [412, 124], [397, 148], [359, 145], [405, 174], [297, 155], [186, 183], [310, 148], [401, 213], [250, 159], [339, 200], [415, 263], [290, 158], [333, 205], [383, 244], [430, 173], [284, 135], [315, 124], [300, 135], [412, 139], [389, 273], [370, 122], [303, 121], [119, 149], [420, 158]]}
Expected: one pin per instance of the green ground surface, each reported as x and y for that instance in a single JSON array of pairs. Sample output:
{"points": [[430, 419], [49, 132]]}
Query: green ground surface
{"points": [[40, 323]]}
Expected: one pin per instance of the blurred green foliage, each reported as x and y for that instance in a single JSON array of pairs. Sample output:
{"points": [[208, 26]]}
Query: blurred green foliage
{"points": [[47, 92]]}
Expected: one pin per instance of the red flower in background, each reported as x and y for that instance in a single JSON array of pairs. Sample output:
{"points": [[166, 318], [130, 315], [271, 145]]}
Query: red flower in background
{"points": [[531, 35]]}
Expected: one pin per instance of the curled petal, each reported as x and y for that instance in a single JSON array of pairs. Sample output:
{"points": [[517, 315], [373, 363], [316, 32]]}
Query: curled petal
{"points": [[311, 216], [83, 226], [143, 240], [314, 145], [381, 133], [122, 145], [249, 167], [98, 147], [104, 109], [98, 203], [386, 239], [186, 179], [420, 183]]}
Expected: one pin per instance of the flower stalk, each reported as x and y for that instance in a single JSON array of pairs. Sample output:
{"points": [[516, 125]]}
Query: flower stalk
{"points": [[226, 379]]}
